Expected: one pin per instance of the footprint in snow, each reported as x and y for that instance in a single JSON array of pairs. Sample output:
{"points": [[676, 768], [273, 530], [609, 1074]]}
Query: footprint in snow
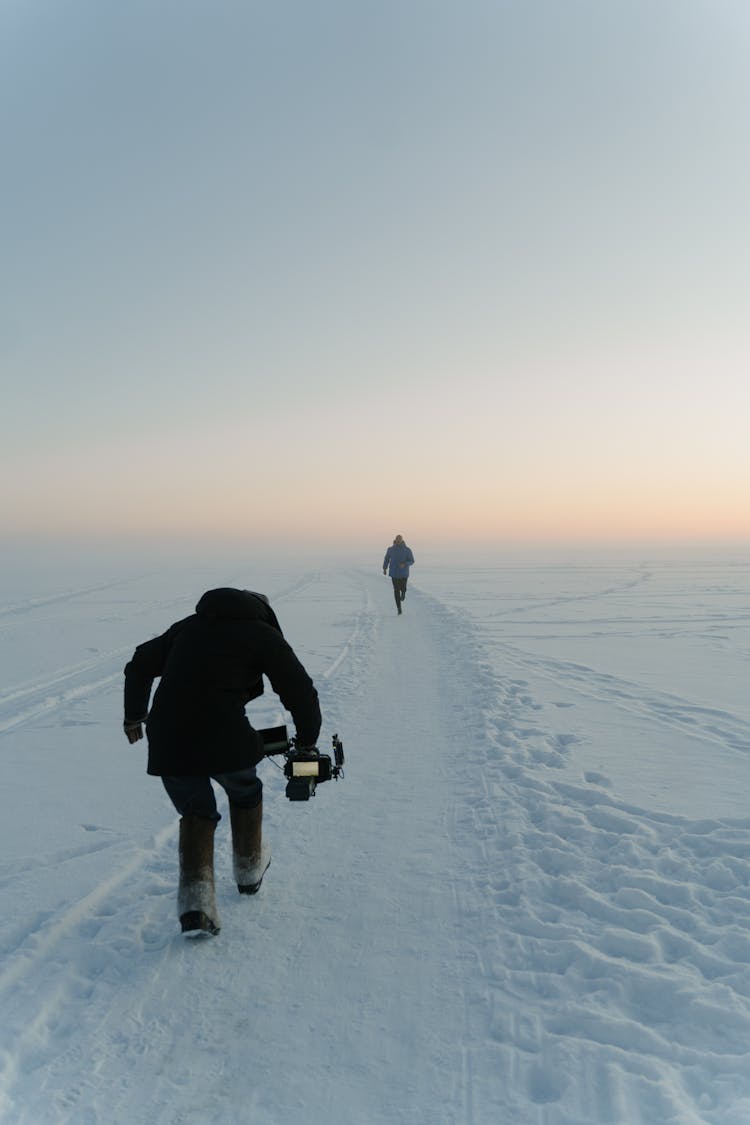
{"points": [[595, 778]]}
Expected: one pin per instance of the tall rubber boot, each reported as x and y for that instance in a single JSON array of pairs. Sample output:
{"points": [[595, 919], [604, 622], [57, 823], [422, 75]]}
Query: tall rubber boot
{"points": [[196, 896], [250, 856]]}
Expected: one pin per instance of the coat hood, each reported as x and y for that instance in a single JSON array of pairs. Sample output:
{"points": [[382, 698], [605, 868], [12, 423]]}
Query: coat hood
{"points": [[228, 604]]}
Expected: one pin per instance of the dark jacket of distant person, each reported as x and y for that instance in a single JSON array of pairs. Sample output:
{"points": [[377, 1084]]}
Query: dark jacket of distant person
{"points": [[210, 666], [398, 559]]}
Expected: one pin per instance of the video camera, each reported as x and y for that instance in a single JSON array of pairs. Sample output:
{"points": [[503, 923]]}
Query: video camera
{"points": [[304, 767]]}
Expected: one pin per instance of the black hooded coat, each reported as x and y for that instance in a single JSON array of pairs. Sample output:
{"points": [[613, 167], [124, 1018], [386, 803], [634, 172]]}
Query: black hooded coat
{"points": [[210, 665]]}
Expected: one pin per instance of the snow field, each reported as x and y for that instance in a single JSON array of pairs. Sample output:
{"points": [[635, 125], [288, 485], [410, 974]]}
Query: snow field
{"points": [[504, 913]]}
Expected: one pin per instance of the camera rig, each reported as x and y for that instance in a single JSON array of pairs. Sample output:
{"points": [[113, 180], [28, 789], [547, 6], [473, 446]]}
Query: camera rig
{"points": [[304, 766]]}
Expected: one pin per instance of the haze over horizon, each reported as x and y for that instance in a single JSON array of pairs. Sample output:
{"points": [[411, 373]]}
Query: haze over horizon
{"points": [[309, 273]]}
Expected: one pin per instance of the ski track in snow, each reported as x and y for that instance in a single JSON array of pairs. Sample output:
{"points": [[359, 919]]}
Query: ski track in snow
{"points": [[31, 605], [460, 932], [25, 702]]}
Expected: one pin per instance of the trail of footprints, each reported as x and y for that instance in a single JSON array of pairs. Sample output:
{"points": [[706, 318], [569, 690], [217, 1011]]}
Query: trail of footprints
{"points": [[609, 926]]}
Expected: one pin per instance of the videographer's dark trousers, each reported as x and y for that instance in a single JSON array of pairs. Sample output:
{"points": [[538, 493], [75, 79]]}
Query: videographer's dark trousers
{"points": [[399, 590], [194, 796]]}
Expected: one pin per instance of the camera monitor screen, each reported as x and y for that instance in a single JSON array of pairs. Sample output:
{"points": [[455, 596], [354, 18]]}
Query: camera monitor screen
{"points": [[304, 769]]}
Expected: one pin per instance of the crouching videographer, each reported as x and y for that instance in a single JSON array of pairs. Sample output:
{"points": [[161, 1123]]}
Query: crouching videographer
{"points": [[210, 665]]}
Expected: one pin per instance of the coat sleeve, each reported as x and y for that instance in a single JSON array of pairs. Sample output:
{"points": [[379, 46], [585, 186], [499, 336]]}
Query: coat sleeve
{"points": [[387, 558], [294, 688], [146, 664]]}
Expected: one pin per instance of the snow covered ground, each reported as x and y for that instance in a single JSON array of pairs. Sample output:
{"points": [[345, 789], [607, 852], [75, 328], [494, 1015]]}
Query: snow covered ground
{"points": [[528, 903]]}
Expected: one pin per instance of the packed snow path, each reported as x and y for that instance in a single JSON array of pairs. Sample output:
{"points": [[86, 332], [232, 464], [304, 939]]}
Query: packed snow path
{"points": [[463, 931]]}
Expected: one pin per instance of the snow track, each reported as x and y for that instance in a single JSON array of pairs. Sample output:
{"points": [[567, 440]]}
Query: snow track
{"points": [[468, 929]]}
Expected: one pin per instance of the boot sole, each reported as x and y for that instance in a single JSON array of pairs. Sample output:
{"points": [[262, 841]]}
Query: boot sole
{"points": [[195, 922], [252, 888]]}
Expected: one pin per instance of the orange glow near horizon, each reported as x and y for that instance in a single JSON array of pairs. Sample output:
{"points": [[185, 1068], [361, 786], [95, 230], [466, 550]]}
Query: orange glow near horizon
{"points": [[514, 514]]}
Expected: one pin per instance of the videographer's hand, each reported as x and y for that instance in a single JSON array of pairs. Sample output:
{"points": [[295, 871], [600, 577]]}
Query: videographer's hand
{"points": [[133, 730]]}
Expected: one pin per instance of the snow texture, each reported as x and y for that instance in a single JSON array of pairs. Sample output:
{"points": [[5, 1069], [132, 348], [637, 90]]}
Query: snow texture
{"points": [[528, 902]]}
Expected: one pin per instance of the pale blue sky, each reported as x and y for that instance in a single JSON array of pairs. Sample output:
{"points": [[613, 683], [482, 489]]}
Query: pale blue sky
{"points": [[472, 268]]}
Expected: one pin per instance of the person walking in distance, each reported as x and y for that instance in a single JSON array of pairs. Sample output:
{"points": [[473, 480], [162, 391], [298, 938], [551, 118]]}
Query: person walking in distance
{"points": [[210, 665], [398, 559]]}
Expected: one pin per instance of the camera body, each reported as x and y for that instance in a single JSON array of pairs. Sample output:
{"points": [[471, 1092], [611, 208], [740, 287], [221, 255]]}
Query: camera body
{"points": [[304, 767]]}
